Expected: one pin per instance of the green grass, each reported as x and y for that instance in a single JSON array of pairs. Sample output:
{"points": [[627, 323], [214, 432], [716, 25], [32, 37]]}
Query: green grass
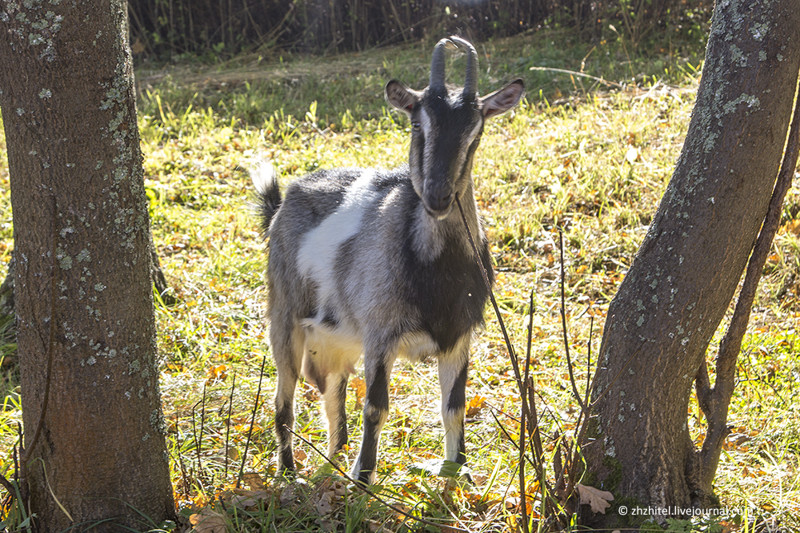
{"points": [[592, 159]]}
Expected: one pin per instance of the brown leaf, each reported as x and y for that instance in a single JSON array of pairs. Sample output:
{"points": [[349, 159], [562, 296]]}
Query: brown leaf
{"points": [[217, 373], [793, 226], [253, 480], [598, 500], [475, 406], [360, 388], [324, 503], [208, 521], [299, 456], [289, 495], [329, 495], [248, 499]]}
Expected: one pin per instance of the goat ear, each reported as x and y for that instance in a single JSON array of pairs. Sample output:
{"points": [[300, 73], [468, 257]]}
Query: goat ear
{"points": [[400, 96], [503, 99]]}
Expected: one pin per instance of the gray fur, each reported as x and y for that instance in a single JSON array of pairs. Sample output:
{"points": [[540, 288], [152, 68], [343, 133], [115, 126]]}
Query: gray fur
{"points": [[378, 262]]}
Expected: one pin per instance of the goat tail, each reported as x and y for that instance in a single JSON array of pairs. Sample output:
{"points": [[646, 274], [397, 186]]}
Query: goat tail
{"points": [[268, 193]]}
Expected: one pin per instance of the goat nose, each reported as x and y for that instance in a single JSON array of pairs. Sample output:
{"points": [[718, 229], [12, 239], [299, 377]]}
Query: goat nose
{"points": [[439, 203], [443, 201]]}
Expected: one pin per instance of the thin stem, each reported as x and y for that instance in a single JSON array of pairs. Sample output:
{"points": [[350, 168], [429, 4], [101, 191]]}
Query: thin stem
{"points": [[252, 421], [564, 324], [228, 424]]}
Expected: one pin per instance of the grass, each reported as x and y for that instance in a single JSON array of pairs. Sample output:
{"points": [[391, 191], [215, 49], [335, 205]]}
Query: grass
{"points": [[589, 158]]}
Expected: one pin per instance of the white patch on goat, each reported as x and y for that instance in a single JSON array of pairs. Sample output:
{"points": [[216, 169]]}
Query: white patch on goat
{"points": [[318, 248], [416, 345], [263, 175], [473, 133], [452, 421], [451, 365], [331, 350]]}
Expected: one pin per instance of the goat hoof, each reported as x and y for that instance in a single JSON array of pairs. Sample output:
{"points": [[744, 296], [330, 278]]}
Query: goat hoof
{"points": [[363, 478]]}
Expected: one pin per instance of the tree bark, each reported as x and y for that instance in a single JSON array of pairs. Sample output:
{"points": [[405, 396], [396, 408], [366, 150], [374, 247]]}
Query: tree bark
{"points": [[684, 276], [7, 293], [95, 453]]}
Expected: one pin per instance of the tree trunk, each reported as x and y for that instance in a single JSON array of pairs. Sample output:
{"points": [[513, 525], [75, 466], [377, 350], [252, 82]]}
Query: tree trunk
{"points": [[95, 451], [7, 294], [681, 283]]}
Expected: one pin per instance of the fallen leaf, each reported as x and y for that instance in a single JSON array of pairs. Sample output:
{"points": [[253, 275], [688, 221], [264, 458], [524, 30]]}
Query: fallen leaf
{"points": [[360, 388], [289, 495], [329, 495], [598, 500], [253, 480], [299, 456], [215, 373], [793, 226], [248, 499], [324, 502], [200, 500], [475, 406], [208, 521]]}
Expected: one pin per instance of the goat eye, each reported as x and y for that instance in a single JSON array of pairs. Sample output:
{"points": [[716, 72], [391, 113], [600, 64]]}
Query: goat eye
{"points": [[416, 126]]}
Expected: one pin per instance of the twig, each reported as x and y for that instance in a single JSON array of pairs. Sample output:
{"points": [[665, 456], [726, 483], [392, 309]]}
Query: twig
{"points": [[522, 485], [198, 437], [564, 324], [184, 476], [7, 485], [485, 275], [522, 425], [252, 421], [580, 75], [589, 361], [369, 492], [510, 437], [582, 424], [228, 423]]}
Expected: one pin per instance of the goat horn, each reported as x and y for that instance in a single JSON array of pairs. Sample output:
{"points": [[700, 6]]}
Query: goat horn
{"points": [[471, 77], [437, 66]]}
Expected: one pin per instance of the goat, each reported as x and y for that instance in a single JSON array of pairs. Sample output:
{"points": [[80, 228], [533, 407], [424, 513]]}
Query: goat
{"points": [[378, 262]]}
